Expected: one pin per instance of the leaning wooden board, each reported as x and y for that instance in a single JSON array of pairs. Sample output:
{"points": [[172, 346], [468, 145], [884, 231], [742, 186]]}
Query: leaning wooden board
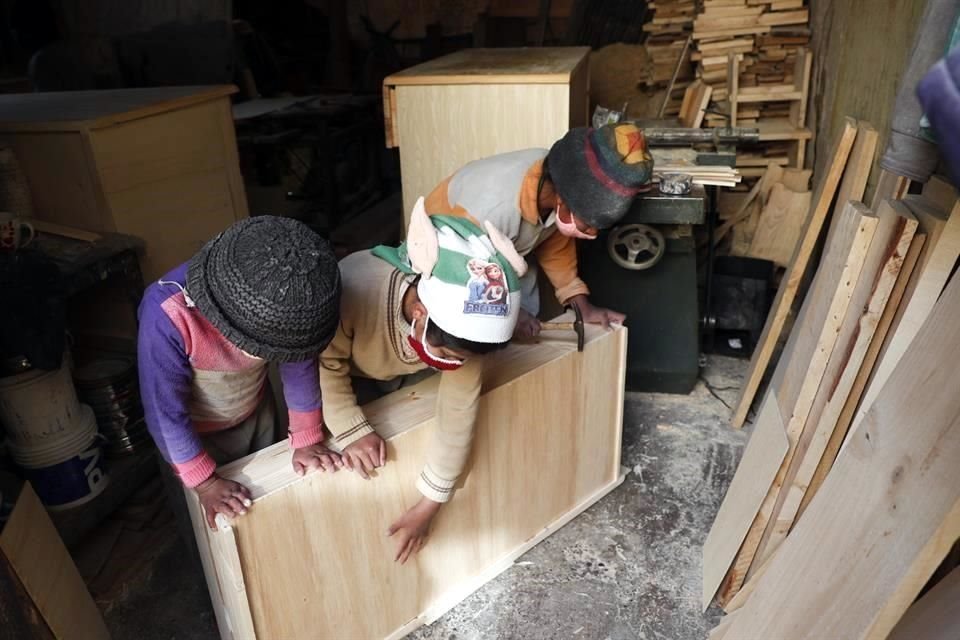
{"points": [[886, 514], [311, 558]]}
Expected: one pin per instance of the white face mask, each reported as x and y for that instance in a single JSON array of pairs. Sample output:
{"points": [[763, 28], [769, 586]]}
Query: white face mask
{"points": [[424, 353], [570, 229]]}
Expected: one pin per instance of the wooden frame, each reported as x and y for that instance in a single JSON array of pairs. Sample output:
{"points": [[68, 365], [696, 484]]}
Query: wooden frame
{"points": [[311, 558]]}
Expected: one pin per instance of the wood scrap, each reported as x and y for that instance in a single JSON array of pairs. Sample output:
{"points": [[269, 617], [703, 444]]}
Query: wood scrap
{"points": [[795, 272], [878, 502], [780, 225]]}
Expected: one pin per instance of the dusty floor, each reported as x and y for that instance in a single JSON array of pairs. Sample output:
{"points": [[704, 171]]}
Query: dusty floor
{"points": [[628, 568]]}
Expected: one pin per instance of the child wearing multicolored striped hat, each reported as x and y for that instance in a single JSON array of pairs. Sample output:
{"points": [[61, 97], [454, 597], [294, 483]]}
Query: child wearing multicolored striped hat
{"points": [[543, 201], [442, 300]]}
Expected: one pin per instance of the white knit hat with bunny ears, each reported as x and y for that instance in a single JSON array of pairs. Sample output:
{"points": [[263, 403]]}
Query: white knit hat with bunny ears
{"points": [[470, 279]]}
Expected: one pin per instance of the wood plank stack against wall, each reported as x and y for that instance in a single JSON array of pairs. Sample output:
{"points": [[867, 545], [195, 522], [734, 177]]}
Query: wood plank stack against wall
{"points": [[882, 493], [670, 25], [328, 571]]}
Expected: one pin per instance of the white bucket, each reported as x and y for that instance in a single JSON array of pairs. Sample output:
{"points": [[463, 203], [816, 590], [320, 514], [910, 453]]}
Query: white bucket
{"points": [[39, 408], [69, 472]]}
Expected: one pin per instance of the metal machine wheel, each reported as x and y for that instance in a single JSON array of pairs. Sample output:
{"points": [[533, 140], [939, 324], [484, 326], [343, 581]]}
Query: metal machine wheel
{"points": [[636, 246]]}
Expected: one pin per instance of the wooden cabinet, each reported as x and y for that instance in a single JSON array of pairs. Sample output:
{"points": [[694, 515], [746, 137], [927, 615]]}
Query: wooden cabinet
{"points": [[158, 163], [479, 102]]}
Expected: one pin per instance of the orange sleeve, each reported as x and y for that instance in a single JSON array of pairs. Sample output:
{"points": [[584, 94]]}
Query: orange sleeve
{"points": [[557, 256], [438, 202]]}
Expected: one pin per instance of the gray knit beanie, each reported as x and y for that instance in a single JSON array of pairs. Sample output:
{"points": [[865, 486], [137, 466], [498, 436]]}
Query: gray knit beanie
{"points": [[271, 286]]}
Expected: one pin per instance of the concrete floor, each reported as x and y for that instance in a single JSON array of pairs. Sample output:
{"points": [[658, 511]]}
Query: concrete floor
{"points": [[627, 568]]}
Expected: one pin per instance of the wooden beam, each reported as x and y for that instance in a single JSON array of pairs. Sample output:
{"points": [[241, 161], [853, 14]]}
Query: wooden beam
{"points": [[894, 495], [858, 168], [791, 281]]}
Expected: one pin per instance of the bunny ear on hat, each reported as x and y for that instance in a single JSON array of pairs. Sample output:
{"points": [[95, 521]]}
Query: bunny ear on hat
{"points": [[506, 248], [423, 248]]}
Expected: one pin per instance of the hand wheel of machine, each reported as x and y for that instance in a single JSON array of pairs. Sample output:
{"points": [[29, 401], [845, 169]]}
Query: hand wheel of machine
{"points": [[636, 246]]}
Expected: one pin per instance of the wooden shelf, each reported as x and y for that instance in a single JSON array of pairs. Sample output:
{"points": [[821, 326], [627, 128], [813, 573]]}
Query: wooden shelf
{"points": [[781, 129], [746, 96]]}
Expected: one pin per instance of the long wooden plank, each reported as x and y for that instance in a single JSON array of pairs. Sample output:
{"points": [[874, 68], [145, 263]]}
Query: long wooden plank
{"points": [[863, 375], [936, 265], [858, 168], [755, 472], [804, 360], [328, 571], [781, 222], [44, 567], [791, 282], [882, 264], [935, 616], [883, 514]]}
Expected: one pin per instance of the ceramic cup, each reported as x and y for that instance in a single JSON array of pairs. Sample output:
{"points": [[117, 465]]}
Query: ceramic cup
{"points": [[14, 233]]}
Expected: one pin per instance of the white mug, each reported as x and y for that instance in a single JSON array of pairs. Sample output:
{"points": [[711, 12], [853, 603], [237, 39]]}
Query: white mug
{"points": [[14, 233]]}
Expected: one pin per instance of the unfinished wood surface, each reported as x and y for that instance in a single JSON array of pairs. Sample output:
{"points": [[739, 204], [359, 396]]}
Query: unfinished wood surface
{"points": [[890, 505], [889, 186], [755, 472], [939, 193], [534, 65], [74, 110], [849, 409], [942, 249], [791, 281], [695, 100], [857, 171], [780, 224], [935, 616], [804, 360], [881, 267], [487, 524], [44, 567]]}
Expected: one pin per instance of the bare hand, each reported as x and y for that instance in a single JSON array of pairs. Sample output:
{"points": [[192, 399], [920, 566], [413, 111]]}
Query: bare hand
{"points": [[597, 315], [412, 528], [527, 325], [219, 495], [365, 455], [315, 456]]}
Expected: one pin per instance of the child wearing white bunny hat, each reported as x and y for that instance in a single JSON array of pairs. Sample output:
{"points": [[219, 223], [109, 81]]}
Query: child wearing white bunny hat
{"points": [[441, 300]]}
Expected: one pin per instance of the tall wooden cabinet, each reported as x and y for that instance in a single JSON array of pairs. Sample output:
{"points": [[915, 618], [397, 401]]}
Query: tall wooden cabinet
{"points": [[158, 163], [479, 102]]}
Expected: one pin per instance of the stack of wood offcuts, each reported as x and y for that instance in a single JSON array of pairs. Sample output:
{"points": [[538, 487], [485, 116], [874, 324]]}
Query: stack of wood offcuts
{"points": [[668, 49], [847, 498]]}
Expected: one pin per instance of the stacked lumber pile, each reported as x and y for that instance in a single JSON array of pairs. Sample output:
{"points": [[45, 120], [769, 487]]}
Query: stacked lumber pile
{"points": [[682, 160], [667, 48], [847, 497], [767, 34]]}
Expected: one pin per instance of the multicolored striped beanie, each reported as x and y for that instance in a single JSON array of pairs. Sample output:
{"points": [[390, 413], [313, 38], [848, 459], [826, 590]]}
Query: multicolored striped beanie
{"points": [[598, 172]]}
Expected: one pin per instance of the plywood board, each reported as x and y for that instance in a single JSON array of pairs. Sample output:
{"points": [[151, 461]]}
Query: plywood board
{"points": [[881, 267], [297, 579], [804, 360], [890, 506], [942, 250], [442, 128], [35, 551], [755, 472], [534, 65], [780, 224], [935, 616], [791, 282], [849, 409]]}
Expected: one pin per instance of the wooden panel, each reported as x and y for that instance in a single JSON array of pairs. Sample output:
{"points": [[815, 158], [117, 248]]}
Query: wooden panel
{"points": [[890, 505], [880, 269], [935, 616], [135, 154], [936, 264], [781, 222], [31, 544], [858, 168], [175, 216], [791, 281], [533, 65], [299, 580], [64, 186], [755, 473], [79, 110], [804, 360], [849, 409], [444, 127]]}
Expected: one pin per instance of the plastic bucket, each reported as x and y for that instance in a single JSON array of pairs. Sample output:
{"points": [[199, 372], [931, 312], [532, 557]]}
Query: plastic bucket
{"points": [[67, 473], [39, 408]]}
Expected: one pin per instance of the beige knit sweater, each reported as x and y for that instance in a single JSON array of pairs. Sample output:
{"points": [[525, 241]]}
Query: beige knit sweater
{"points": [[371, 342]]}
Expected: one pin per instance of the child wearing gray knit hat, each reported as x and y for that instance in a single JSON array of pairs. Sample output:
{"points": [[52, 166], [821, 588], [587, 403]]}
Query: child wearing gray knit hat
{"points": [[266, 289]]}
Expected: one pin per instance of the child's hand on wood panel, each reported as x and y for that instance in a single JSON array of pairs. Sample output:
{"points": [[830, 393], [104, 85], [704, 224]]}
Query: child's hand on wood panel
{"points": [[412, 528], [365, 455]]}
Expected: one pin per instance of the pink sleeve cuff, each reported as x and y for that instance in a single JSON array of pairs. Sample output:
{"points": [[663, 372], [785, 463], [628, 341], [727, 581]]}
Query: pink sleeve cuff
{"points": [[194, 471], [306, 428]]}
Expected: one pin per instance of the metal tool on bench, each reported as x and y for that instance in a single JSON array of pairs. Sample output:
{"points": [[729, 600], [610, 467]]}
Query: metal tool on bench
{"points": [[576, 325]]}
